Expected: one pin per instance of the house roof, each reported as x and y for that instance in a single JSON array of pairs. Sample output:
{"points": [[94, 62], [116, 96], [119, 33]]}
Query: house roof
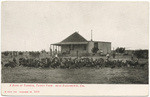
{"points": [[74, 38]]}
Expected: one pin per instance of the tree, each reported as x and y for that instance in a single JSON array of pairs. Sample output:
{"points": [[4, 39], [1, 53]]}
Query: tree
{"points": [[20, 53], [141, 53], [120, 50], [94, 50], [5, 53], [34, 54], [43, 51]]}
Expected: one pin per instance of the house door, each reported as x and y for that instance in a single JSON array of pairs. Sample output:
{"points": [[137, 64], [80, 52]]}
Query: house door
{"points": [[95, 44]]}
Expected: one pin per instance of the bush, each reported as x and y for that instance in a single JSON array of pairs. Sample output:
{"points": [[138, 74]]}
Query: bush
{"points": [[43, 51], [34, 54], [20, 53], [141, 54], [5, 53], [94, 50], [120, 50]]}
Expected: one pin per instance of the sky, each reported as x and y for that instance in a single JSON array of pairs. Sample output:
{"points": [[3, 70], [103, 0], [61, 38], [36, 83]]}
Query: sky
{"points": [[33, 26]]}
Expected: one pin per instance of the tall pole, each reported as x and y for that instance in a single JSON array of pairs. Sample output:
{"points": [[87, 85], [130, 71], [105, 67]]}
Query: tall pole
{"points": [[91, 36], [50, 51], [56, 49], [61, 49], [53, 50]]}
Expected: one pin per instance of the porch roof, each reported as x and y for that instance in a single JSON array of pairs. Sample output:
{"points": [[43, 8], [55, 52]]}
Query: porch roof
{"points": [[69, 43]]}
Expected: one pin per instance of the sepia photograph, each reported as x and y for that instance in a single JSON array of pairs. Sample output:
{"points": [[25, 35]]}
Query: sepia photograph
{"points": [[75, 42]]}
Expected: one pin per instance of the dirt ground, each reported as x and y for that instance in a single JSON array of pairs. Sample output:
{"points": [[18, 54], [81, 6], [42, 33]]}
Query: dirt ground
{"points": [[84, 75]]}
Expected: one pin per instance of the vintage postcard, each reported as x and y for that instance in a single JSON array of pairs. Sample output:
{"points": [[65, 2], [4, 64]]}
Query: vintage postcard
{"points": [[75, 48]]}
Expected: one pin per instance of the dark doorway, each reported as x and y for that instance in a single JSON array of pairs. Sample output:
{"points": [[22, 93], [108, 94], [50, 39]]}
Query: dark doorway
{"points": [[95, 44]]}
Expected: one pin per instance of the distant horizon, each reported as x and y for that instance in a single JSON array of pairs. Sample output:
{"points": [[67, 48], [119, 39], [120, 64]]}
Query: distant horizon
{"points": [[49, 50]]}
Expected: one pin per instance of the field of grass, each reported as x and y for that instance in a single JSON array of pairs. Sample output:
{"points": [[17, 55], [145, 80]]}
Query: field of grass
{"points": [[105, 75], [84, 75]]}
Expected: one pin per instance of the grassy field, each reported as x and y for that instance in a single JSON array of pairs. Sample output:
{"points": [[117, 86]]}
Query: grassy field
{"points": [[83, 75], [105, 75]]}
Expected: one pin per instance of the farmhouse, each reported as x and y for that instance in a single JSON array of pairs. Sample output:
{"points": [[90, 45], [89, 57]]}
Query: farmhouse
{"points": [[75, 44]]}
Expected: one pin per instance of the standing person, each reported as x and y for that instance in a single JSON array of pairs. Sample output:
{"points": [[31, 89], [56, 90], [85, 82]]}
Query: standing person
{"points": [[14, 60], [132, 56], [77, 54], [101, 52], [107, 56], [114, 54], [51, 52], [56, 55]]}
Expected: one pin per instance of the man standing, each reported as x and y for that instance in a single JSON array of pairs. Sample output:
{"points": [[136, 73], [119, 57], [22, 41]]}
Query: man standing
{"points": [[114, 54], [107, 56]]}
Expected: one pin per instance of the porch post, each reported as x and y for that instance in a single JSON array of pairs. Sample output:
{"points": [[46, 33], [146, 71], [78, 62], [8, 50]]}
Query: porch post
{"points": [[61, 49], [56, 49], [50, 51]]}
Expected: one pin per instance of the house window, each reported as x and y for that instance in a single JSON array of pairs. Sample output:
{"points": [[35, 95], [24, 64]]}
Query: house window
{"points": [[71, 47], [84, 47], [96, 44]]}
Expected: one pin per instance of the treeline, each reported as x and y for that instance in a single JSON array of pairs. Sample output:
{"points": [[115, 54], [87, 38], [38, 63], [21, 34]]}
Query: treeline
{"points": [[141, 53], [31, 53], [137, 53]]}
